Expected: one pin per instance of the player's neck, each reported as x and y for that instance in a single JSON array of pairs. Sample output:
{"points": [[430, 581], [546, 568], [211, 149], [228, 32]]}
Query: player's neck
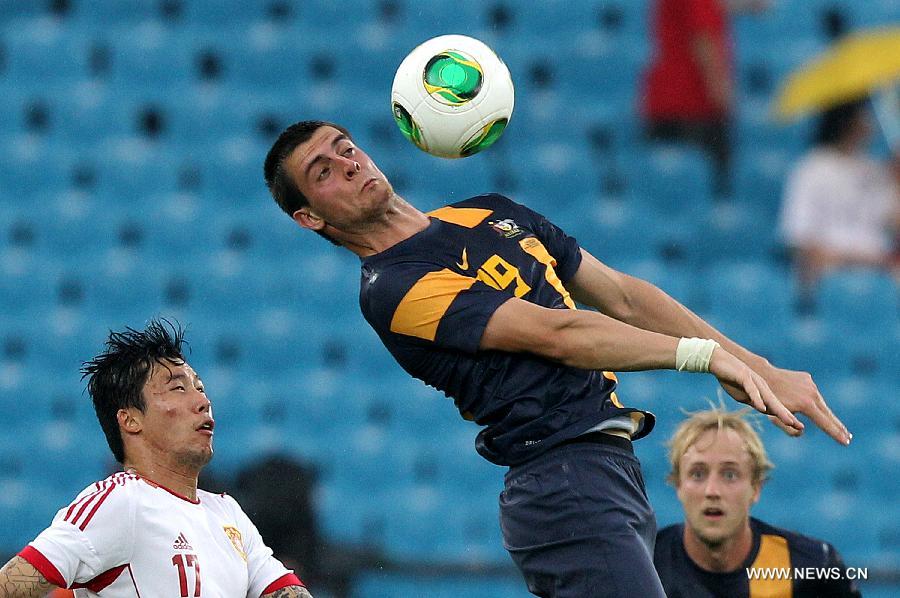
{"points": [[181, 483], [397, 223], [723, 557]]}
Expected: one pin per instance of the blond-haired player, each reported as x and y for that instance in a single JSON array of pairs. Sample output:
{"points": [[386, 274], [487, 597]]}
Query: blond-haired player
{"points": [[719, 465]]}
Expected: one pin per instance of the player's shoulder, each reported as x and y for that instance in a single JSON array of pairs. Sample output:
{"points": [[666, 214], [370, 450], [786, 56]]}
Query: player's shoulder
{"points": [[120, 483], [488, 201], [669, 536], [216, 498], [112, 494], [494, 209], [804, 549], [221, 503]]}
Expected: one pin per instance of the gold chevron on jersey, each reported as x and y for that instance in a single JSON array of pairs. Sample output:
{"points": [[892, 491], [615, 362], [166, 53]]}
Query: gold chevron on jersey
{"points": [[467, 217], [421, 309], [181, 543]]}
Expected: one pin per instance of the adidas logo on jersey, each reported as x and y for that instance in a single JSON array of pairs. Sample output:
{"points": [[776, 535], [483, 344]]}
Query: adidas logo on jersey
{"points": [[181, 543]]}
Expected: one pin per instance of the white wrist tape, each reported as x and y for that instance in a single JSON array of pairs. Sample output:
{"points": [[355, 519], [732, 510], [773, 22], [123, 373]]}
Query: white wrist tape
{"points": [[693, 354]]}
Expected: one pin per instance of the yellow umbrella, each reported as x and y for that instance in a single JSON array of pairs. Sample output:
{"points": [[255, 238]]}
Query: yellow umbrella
{"points": [[860, 64]]}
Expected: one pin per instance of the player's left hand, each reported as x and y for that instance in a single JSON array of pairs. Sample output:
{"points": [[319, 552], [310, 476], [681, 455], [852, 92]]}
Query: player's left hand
{"points": [[799, 393]]}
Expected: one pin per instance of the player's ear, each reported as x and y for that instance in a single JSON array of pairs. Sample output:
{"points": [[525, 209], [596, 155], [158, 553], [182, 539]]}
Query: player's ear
{"points": [[757, 489], [130, 420], [308, 219]]}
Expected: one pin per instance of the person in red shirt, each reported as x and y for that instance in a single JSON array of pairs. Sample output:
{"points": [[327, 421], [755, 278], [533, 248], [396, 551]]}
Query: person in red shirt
{"points": [[688, 89]]}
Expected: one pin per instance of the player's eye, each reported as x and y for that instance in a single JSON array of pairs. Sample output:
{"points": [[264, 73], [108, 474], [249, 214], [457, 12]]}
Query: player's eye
{"points": [[349, 151], [179, 387], [324, 173], [730, 475]]}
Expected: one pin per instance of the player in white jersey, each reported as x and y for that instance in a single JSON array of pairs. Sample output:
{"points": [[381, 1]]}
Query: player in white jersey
{"points": [[149, 531]]}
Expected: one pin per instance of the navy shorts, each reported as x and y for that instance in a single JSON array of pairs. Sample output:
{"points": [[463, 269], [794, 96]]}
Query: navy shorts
{"points": [[577, 522]]}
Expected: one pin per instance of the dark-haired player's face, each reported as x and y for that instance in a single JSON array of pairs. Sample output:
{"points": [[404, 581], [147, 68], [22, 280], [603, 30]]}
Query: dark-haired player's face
{"points": [[177, 419], [716, 486], [342, 183]]}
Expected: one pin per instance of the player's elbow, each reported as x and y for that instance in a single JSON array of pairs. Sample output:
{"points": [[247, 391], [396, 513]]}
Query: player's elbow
{"points": [[567, 341]]}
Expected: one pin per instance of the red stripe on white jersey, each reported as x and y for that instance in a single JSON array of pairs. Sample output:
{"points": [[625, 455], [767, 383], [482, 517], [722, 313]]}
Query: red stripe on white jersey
{"points": [[102, 580], [97, 504], [43, 566], [83, 502], [133, 582], [74, 505], [288, 579]]}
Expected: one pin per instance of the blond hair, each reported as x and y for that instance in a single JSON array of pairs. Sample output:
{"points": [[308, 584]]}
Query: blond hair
{"points": [[718, 418]]}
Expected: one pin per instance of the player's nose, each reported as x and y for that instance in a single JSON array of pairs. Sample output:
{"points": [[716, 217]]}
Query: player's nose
{"points": [[712, 486], [351, 167], [203, 404]]}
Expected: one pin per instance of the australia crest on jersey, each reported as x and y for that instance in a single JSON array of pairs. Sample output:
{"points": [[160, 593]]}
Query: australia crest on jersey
{"points": [[234, 534], [506, 227]]}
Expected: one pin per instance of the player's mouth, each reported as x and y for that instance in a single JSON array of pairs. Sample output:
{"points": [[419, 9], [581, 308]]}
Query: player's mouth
{"points": [[368, 184], [207, 427], [713, 513]]}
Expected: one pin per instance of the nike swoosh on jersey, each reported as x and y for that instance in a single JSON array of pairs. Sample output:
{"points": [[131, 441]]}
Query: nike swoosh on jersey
{"points": [[465, 261]]}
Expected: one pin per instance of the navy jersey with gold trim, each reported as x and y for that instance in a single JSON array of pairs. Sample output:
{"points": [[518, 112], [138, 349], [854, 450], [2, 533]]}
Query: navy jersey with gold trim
{"points": [[772, 548], [430, 297]]}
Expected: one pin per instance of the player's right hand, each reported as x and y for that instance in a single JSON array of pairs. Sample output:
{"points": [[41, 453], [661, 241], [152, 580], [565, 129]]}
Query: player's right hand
{"points": [[747, 387]]}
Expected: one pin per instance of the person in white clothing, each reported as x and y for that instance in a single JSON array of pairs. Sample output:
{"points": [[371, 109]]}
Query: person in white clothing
{"points": [[841, 207], [149, 531]]}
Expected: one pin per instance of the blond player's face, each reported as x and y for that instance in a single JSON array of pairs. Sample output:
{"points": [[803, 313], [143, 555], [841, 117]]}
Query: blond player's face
{"points": [[343, 185], [716, 486], [177, 418]]}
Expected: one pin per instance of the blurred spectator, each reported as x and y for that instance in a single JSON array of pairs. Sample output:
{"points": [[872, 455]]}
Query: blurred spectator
{"points": [[278, 493], [688, 90], [841, 207]]}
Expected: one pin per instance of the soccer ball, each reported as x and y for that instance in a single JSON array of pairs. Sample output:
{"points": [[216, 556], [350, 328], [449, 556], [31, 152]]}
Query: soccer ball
{"points": [[452, 96]]}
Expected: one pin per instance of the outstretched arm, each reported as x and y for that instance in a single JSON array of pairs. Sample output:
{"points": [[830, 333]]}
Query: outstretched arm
{"points": [[590, 340], [289, 592], [19, 579], [641, 305]]}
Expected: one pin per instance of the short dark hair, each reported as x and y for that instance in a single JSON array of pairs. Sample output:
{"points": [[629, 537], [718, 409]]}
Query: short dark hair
{"points": [[282, 187], [116, 377], [835, 122]]}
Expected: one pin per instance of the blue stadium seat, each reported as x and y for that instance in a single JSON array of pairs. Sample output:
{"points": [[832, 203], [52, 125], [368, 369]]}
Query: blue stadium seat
{"points": [[675, 180], [87, 112], [759, 179], [24, 171], [151, 57], [126, 291], [13, 102], [97, 14], [425, 524], [739, 231], [758, 294], [811, 346], [679, 281], [42, 51], [860, 299], [386, 585], [213, 15], [28, 290]]}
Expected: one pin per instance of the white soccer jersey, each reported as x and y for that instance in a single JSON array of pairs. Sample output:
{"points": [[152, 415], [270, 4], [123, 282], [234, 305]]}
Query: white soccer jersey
{"points": [[126, 536]]}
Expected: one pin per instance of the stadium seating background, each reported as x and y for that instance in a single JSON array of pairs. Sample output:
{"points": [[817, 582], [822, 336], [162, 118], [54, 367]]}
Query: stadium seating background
{"points": [[132, 134]]}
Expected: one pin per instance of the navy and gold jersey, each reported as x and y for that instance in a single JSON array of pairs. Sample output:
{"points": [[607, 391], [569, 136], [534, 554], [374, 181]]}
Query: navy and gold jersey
{"points": [[430, 297], [806, 568]]}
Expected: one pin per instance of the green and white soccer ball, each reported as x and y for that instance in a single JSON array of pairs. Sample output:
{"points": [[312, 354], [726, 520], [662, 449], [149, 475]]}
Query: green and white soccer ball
{"points": [[452, 96]]}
